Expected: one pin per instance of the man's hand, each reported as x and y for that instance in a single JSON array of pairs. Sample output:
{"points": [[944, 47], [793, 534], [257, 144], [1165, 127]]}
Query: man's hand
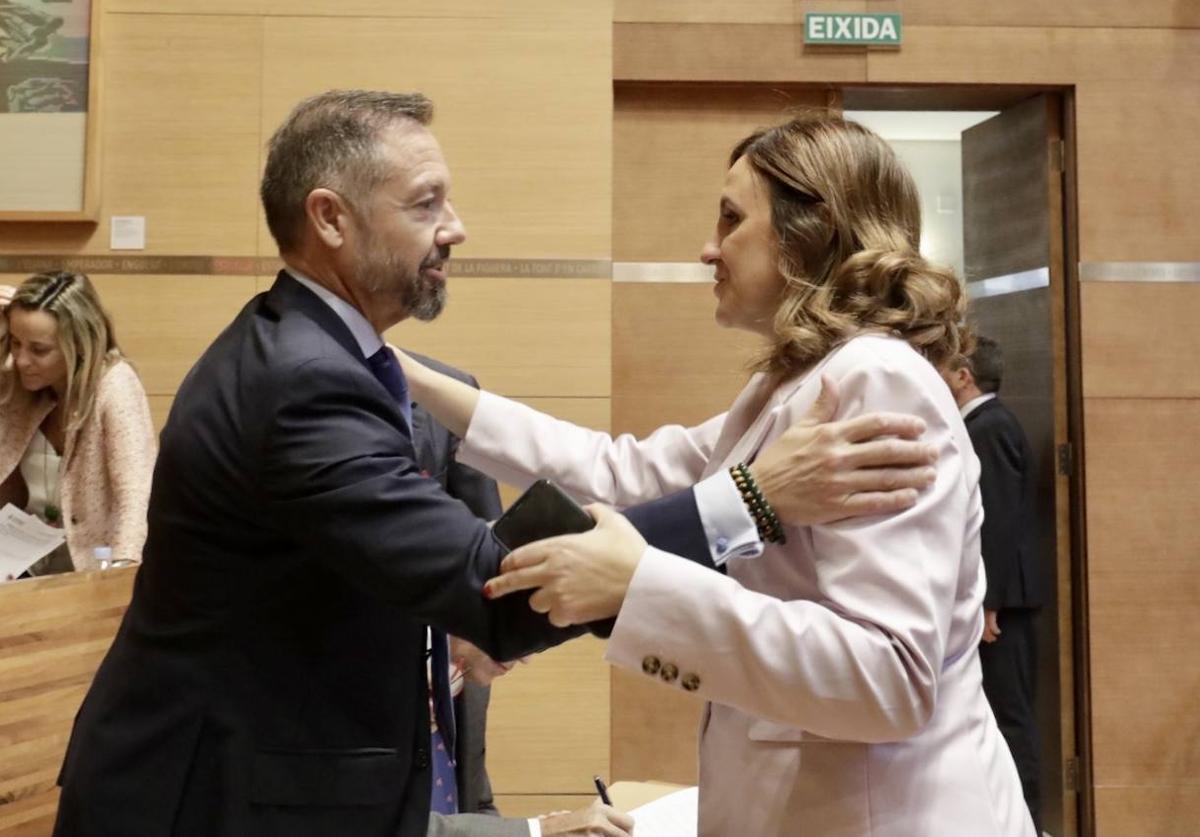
{"points": [[577, 578], [819, 470], [475, 665], [596, 820], [991, 626]]}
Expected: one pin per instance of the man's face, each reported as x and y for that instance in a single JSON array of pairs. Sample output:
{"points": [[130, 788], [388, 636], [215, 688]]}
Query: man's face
{"points": [[405, 229]]}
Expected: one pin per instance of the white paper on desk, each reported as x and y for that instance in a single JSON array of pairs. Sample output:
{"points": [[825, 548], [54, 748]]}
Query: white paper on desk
{"points": [[23, 540], [673, 815]]}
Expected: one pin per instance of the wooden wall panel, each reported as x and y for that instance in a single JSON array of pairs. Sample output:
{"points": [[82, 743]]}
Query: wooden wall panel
{"points": [[1138, 172], [532, 805], [365, 8], [1081, 13], [53, 633], [726, 53], [654, 731], [449, 9], [548, 726], [705, 11], [528, 149], [164, 323], [160, 408], [1032, 55], [1064, 13], [179, 138], [1135, 344], [672, 364], [1143, 592], [1171, 810], [671, 149], [522, 337]]}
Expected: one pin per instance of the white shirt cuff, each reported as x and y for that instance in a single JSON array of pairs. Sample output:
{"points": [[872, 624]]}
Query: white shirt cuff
{"points": [[727, 523], [535, 827]]}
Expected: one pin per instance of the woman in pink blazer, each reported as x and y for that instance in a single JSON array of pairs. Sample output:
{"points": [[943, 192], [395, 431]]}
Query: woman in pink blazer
{"points": [[76, 441], [840, 666]]}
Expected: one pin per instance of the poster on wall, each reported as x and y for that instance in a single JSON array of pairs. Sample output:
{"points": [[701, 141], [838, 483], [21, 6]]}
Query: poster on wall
{"points": [[44, 83]]}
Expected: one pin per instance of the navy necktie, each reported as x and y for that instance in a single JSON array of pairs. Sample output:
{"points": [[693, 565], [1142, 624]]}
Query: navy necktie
{"points": [[444, 795], [444, 791], [386, 369]]}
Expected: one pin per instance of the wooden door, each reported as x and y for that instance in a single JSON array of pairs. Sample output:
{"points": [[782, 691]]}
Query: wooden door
{"points": [[1013, 256]]}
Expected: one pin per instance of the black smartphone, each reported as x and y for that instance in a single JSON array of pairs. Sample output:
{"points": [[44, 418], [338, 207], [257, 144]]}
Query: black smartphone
{"points": [[543, 511]]}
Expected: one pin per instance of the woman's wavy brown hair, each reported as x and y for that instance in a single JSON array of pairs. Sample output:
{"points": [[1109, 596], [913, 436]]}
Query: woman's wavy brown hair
{"points": [[848, 219], [85, 335]]}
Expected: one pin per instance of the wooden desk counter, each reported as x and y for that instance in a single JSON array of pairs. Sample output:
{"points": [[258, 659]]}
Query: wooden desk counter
{"points": [[54, 631]]}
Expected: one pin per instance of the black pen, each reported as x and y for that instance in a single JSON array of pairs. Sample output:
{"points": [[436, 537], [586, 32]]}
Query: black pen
{"points": [[602, 790]]}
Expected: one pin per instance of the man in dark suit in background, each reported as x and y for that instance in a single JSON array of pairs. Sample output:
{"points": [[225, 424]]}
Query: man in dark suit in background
{"points": [[1008, 654], [269, 677]]}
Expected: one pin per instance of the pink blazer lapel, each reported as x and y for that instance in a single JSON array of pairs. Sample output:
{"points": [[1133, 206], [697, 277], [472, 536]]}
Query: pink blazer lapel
{"points": [[751, 420], [748, 421]]}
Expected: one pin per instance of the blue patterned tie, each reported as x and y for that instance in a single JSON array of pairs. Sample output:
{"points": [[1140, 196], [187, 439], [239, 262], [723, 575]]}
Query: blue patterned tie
{"points": [[444, 792], [386, 369]]}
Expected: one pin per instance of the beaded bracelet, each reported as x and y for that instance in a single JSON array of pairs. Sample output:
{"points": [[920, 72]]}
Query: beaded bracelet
{"points": [[769, 527]]}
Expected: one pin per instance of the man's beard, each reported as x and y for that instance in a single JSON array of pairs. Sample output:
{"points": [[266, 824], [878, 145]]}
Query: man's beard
{"points": [[422, 296]]}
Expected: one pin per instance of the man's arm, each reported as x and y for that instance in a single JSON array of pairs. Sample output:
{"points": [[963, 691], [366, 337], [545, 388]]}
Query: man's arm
{"points": [[337, 474]]}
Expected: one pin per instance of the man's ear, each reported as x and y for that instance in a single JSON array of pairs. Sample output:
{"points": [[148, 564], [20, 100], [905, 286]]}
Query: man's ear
{"points": [[328, 215], [966, 378]]}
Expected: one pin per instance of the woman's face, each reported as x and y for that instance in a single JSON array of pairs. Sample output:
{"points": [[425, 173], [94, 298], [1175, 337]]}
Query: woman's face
{"points": [[745, 253], [37, 357]]}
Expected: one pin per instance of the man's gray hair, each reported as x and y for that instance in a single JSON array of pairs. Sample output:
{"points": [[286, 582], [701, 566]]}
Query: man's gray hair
{"points": [[330, 141]]}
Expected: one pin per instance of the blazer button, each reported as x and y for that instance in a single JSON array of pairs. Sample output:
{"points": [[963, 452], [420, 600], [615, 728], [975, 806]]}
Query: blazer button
{"points": [[650, 664], [690, 682], [668, 673], [421, 758]]}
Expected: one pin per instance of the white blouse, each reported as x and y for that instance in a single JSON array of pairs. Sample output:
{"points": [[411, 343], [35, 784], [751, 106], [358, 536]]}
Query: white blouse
{"points": [[40, 469]]}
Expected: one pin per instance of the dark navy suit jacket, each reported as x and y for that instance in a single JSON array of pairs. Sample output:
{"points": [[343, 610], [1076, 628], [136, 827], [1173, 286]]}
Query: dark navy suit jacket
{"points": [[1006, 482], [268, 677]]}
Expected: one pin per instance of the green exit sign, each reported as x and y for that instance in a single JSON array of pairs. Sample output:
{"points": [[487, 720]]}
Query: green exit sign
{"points": [[852, 29]]}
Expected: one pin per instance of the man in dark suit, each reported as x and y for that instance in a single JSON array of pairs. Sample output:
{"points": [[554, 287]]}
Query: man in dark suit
{"points": [[269, 676], [1008, 654]]}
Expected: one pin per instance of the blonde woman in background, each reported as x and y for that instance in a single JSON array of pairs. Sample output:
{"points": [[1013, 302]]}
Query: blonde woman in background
{"points": [[76, 441], [840, 665]]}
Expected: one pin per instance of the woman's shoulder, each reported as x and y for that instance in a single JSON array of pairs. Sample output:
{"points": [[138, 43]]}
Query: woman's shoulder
{"points": [[119, 381], [120, 372], [875, 355], [881, 368]]}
